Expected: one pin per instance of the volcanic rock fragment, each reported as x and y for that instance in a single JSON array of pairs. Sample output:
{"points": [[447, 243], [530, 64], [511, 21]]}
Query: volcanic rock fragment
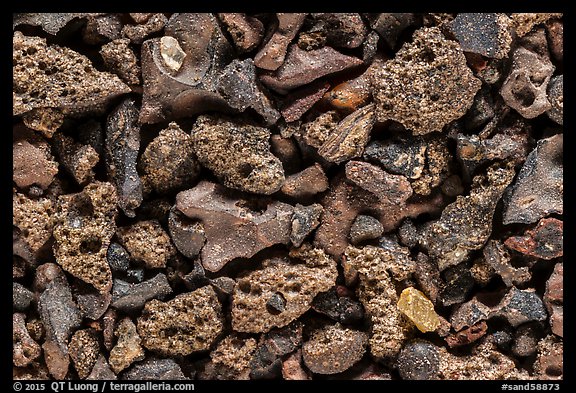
{"points": [[188, 235], [58, 79], [32, 161], [391, 25], [304, 220], [238, 85], [60, 317], [137, 33], [234, 227], [555, 30], [426, 86], [238, 153], [333, 349], [230, 360], [101, 370], [118, 258], [419, 360], [365, 228], [296, 283], [168, 163], [302, 67], [549, 364], [556, 97], [84, 350], [350, 137], [120, 59], [554, 299], [84, 225], [466, 224], [486, 34], [525, 87], [468, 335], [24, 349], [170, 94], [78, 159], [21, 297], [499, 260], [154, 369], [524, 22], [378, 294], [301, 100], [122, 145], [292, 368], [340, 30], [127, 350], [91, 303], [102, 28], [246, 31], [544, 241], [538, 190], [340, 308], [517, 306], [147, 241], [272, 55], [50, 22], [189, 323], [458, 283], [306, 183], [131, 297]]}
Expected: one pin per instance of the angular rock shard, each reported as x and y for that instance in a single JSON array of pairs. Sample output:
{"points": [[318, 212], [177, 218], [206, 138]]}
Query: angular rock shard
{"points": [[426, 86], [246, 31], [544, 241], [487, 34], [419, 309], [132, 297], [538, 190], [234, 227], [272, 55], [466, 224], [499, 260], [122, 145]]}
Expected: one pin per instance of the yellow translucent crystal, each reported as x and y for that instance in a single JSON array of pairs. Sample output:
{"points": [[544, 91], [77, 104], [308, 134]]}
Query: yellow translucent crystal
{"points": [[416, 306]]}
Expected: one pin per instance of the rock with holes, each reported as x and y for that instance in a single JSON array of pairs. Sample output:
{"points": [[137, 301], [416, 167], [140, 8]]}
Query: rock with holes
{"points": [[230, 360], [121, 151], [378, 268], [78, 159], [84, 226], [238, 153], [525, 87], [538, 190], [57, 79], [35, 220], [148, 242], [466, 224], [235, 226], [24, 349], [549, 364], [189, 323], [496, 256], [120, 59], [524, 22], [427, 84], [281, 291], [333, 349]]}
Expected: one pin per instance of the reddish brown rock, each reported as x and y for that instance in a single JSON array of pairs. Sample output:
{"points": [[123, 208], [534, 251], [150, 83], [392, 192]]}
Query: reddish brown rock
{"points": [[24, 349], [32, 161], [101, 370], [554, 299], [299, 101], [234, 227], [538, 190], [246, 31], [555, 30], [302, 67], [230, 360], [170, 94], [127, 349], [35, 220], [147, 26], [271, 56], [108, 323], [50, 22], [292, 368], [286, 149], [306, 184], [544, 241], [120, 59], [467, 336]]}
